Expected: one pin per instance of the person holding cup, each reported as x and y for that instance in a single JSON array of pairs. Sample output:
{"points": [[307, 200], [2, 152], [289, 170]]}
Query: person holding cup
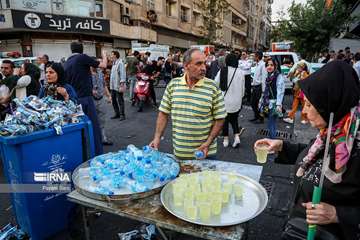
{"points": [[334, 89]]}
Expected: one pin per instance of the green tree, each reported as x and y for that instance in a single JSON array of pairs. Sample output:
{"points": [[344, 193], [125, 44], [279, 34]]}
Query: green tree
{"points": [[311, 26], [213, 17]]}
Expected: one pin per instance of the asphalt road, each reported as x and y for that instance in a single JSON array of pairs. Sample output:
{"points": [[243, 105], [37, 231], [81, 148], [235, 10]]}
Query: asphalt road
{"points": [[138, 129]]}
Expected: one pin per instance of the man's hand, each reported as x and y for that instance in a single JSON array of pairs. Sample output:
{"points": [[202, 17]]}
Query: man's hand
{"points": [[155, 143], [321, 214], [5, 100], [204, 148]]}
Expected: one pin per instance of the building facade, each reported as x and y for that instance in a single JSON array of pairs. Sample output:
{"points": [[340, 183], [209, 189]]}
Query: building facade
{"points": [[35, 27]]}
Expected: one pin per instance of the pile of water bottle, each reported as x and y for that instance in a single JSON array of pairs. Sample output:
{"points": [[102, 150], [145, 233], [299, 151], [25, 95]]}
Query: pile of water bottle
{"points": [[33, 114], [10, 232], [133, 169]]}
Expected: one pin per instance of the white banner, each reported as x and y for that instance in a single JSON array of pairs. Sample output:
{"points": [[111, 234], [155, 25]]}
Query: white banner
{"points": [[43, 6]]}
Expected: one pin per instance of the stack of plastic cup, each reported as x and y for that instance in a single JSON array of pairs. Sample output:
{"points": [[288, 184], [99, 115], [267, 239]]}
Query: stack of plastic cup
{"points": [[238, 191]]}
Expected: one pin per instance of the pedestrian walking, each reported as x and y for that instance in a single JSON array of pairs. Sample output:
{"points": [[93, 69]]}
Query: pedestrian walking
{"points": [[99, 91], [117, 85], [232, 84], [77, 68], [245, 66], [258, 86], [271, 104], [332, 89], [197, 110], [301, 73], [132, 63]]}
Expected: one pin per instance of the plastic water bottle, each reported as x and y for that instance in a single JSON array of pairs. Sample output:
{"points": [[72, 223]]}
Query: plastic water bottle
{"points": [[147, 149], [199, 154], [135, 151], [174, 170]]}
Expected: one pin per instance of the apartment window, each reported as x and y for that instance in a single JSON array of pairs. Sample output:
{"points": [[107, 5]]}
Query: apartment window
{"points": [[171, 7], [197, 19], [150, 4], [124, 15], [184, 14], [99, 8]]}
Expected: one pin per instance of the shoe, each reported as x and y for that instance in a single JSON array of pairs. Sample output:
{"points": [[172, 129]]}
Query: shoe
{"points": [[122, 118], [107, 143], [304, 122], [288, 120], [115, 117], [226, 142], [253, 120], [236, 142]]}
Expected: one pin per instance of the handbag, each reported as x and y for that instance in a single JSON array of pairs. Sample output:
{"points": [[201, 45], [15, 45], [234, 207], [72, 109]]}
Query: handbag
{"points": [[297, 228], [232, 78]]}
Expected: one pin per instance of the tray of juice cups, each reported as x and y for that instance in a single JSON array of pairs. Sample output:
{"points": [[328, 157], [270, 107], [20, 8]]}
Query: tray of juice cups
{"points": [[213, 198]]}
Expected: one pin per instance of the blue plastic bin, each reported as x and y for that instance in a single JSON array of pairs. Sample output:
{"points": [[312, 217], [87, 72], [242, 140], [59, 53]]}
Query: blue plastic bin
{"points": [[41, 215]]}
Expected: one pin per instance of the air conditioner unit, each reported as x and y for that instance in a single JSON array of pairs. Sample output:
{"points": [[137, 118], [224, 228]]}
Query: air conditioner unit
{"points": [[237, 21], [126, 12]]}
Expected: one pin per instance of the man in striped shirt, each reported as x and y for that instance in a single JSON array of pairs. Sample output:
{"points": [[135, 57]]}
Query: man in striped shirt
{"points": [[197, 110]]}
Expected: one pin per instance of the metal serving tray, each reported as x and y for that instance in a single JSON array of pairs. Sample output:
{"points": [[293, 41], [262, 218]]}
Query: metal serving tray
{"points": [[122, 196], [253, 202]]}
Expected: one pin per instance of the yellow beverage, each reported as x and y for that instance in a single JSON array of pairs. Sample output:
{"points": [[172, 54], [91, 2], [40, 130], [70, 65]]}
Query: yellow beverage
{"points": [[216, 205], [216, 185], [225, 196], [201, 197], [238, 190], [193, 179], [188, 194], [178, 187], [188, 202], [204, 211], [195, 187], [178, 197], [261, 151], [191, 212], [227, 187]]}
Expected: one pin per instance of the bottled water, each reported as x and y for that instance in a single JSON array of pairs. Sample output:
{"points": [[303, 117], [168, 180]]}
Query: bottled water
{"points": [[134, 169], [199, 154]]}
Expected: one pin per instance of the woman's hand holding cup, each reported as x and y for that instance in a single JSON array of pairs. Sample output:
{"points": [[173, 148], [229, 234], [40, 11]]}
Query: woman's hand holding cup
{"points": [[264, 146]]}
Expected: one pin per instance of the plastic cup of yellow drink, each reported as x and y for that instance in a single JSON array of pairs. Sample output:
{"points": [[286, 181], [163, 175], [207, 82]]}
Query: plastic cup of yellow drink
{"points": [[178, 197], [261, 151], [191, 211], [238, 191], [226, 186], [193, 178], [216, 205], [201, 197], [188, 194], [195, 187], [216, 184], [204, 211], [232, 178], [225, 196]]}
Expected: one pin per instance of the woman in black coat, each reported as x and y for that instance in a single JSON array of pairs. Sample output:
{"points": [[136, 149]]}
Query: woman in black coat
{"points": [[332, 89]]}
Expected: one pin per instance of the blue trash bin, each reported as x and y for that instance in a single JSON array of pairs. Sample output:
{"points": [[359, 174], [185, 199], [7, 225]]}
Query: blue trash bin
{"points": [[29, 159]]}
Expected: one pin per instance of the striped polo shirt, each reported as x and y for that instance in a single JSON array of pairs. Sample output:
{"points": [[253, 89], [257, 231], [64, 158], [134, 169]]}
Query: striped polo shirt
{"points": [[193, 112]]}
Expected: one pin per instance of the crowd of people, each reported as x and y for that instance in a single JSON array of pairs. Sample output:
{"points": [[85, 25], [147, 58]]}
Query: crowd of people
{"points": [[204, 95]]}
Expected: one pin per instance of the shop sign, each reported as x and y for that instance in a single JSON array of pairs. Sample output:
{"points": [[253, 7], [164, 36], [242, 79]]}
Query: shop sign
{"points": [[61, 23]]}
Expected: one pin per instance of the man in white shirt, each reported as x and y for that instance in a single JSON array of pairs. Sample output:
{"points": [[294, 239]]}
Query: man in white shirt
{"points": [[245, 66], [258, 87], [356, 65]]}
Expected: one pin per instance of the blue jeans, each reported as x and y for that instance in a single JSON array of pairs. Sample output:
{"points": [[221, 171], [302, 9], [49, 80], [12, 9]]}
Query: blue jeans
{"points": [[132, 80], [272, 125]]}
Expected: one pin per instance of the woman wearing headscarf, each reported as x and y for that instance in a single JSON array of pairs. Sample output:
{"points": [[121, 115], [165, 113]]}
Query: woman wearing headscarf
{"points": [[271, 105], [334, 89], [232, 84], [56, 85]]}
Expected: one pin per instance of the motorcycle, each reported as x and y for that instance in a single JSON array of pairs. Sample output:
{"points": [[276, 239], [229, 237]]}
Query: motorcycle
{"points": [[142, 90]]}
